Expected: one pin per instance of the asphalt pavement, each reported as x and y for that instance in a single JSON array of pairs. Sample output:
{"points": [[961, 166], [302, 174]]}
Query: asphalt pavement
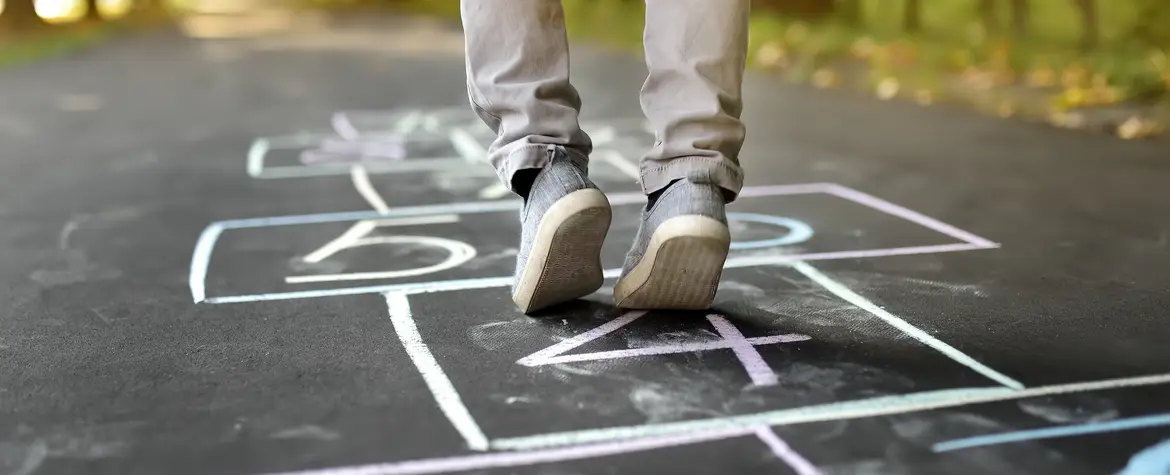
{"points": [[198, 276]]}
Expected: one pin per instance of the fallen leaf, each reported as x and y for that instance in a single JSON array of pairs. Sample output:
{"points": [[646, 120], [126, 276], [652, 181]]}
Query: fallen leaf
{"points": [[1136, 127], [1074, 76], [924, 97], [796, 33], [1100, 80], [772, 54], [1068, 120], [888, 88], [824, 78], [1042, 77], [862, 47], [1073, 97]]}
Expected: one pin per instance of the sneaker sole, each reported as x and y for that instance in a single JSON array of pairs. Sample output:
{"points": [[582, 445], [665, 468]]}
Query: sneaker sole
{"points": [[681, 267], [565, 261]]}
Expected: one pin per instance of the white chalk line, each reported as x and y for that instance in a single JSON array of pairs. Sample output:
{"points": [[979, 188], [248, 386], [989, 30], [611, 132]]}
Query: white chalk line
{"points": [[409, 123], [359, 229], [757, 369], [361, 181], [782, 451], [421, 164], [879, 406], [458, 253], [619, 161], [467, 146], [555, 354], [680, 434], [256, 154], [667, 350], [343, 127], [879, 204], [594, 333], [494, 191], [471, 207], [409, 288], [473, 152], [516, 459], [432, 373], [505, 281], [602, 136], [200, 259], [848, 295]]}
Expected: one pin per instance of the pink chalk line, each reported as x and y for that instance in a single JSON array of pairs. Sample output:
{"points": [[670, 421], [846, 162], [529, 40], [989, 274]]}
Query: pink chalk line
{"points": [[907, 214], [785, 453], [579, 452], [601, 330], [757, 368], [513, 459], [343, 127], [744, 348], [354, 151], [668, 349]]}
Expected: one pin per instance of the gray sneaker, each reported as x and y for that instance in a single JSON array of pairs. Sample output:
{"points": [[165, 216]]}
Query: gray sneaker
{"points": [[679, 252], [564, 222]]}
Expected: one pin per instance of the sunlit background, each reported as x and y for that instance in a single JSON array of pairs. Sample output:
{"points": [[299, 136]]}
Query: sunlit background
{"points": [[68, 11], [1084, 64]]}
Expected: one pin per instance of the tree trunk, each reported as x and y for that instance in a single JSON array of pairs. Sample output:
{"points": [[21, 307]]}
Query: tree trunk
{"points": [[20, 15], [851, 12], [1090, 23], [91, 10], [1021, 18], [912, 16], [989, 16], [1153, 26]]}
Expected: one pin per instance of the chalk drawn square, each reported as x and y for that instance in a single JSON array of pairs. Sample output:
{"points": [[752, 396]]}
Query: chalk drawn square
{"points": [[639, 373], [438, 124], [328, 154], [440, 140], [834, 222]]}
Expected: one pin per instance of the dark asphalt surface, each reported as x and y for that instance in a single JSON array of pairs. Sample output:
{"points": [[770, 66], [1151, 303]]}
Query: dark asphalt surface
{"points": [[115, 160]]}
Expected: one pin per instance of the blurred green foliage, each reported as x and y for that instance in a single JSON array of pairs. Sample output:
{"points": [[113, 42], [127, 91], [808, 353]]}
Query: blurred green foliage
{"points": [[1120, 44], [1045, 58]]}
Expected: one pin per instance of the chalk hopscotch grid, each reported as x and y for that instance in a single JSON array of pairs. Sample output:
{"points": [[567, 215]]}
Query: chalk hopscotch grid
{"points": [[592, 443], [546, 448], [260, 148], [201, 256], [467, 147], [450, 401]]}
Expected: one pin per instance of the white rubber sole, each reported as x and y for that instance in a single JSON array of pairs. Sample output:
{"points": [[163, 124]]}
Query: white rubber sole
{"points": [[565, 261], [681, 267]]}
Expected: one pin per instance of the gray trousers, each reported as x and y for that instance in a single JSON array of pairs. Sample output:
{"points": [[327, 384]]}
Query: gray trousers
{"points": [[517, 57]]}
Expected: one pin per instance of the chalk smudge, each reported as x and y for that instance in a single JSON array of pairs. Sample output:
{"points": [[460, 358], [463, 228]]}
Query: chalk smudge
{"points": [[308, 432], [493, 336], [743, 289], [77, 265], [77, 269], [1077, 409], [672, 338], [23, 459], [662, 404]]}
